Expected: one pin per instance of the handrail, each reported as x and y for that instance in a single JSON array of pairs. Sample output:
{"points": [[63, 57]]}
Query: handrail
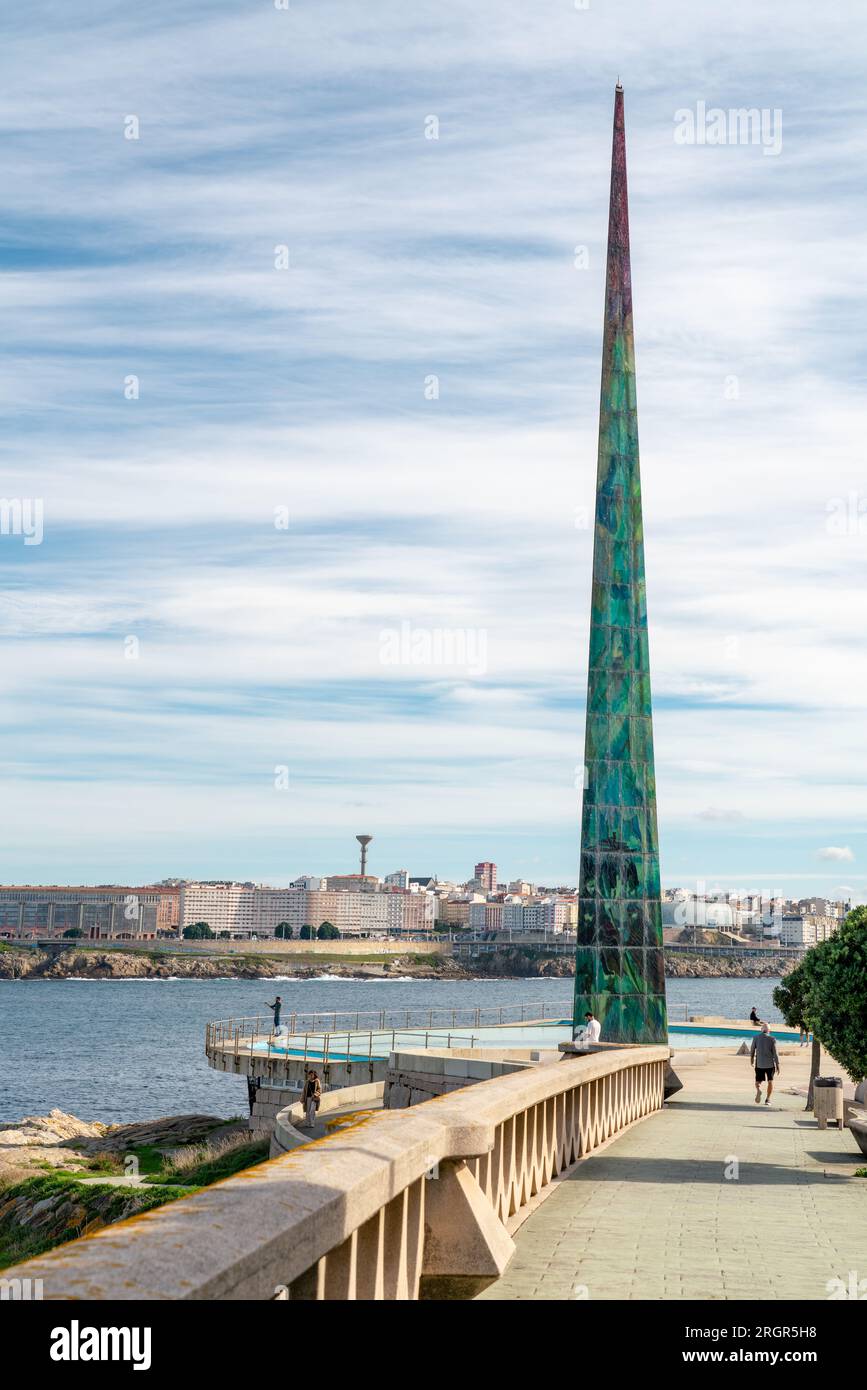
{"points": [[353, 1215], [298, 1023]]}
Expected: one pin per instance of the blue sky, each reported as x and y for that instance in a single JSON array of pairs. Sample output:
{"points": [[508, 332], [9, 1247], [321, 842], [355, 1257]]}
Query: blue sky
{"points": [[304, 396]]}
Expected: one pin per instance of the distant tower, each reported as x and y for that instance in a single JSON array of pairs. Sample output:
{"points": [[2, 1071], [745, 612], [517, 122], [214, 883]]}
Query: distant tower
{"points": [[364, 841], [619, 970], [485, 875]]}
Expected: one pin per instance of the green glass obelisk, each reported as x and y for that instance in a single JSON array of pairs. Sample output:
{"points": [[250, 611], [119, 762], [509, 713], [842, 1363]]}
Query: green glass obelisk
{"points": [[619, 969]]}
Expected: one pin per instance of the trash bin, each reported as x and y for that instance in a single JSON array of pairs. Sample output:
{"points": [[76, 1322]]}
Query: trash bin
{"points": [[828, 1100]]}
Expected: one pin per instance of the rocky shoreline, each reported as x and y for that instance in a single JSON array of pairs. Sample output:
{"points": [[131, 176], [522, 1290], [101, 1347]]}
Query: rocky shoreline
{"points": [[62, 1177], [514, 962]]}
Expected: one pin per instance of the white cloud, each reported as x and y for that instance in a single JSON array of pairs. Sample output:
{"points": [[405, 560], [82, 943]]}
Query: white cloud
{"points": [[836, 852], [305, 389]]}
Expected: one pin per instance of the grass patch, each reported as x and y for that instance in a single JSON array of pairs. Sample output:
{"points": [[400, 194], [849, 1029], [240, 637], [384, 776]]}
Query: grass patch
{"points": [[201, 1164], [150, 1160], [72, 1210]]}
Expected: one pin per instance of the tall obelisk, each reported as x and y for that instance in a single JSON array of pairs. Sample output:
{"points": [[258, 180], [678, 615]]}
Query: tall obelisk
{"points": [[619, 970]]}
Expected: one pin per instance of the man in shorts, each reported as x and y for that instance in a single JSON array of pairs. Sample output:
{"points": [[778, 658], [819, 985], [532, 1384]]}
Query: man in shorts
{"points": [[765, 1059]]}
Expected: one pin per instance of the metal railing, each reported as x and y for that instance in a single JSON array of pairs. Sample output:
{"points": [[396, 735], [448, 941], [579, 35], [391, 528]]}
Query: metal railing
{"points": [[239, 1030], [325, 1048]]}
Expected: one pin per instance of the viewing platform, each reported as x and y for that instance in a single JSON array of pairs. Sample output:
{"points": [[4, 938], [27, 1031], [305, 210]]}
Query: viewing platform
{"points": [[353, 1048]]}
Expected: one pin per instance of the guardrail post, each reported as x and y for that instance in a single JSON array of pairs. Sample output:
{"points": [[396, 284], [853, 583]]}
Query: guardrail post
{"points": [[466, 1245]]}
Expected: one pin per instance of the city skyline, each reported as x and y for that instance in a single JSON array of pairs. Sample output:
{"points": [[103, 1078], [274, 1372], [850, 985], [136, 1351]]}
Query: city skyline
{"points": [[248, 550]]}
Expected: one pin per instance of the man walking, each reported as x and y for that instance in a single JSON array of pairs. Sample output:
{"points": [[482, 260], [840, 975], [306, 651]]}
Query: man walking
{"points": [[765, 1059]]}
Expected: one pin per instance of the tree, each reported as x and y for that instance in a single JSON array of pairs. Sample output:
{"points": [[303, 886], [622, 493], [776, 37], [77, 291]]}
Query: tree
{"points": [[283, 931], [328, 932], [306, 933], [199, 931], [73, 931], [790, 998], [829, 988]]}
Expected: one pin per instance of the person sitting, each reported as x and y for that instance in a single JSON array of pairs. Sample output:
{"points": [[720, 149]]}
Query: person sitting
{"points": [[591, 1030]]}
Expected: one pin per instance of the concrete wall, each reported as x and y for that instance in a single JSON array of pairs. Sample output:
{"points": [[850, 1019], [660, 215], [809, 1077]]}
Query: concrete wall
{"points": [[270, 946], [285, 1072], [285, 1136], [270, 1100], [413, 1077]]}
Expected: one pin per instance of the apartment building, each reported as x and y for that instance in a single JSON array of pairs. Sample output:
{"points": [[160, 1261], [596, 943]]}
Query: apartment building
{"points": [[245, 909], [547, 915], [486, 917], [96, 914], [399, 879], [485, 876], [236, 909]]}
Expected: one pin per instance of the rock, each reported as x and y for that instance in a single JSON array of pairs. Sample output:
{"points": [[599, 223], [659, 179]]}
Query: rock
{"points": [[170, 1130], [58, 1140], [45, 1205], [54, 1128]]}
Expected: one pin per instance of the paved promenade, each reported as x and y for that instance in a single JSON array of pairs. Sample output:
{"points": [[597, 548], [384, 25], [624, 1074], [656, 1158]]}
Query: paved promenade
{"points": [[654, 1215]]}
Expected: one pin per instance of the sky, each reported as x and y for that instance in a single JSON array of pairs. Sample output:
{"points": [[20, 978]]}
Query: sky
{"points": [[299, 381]]}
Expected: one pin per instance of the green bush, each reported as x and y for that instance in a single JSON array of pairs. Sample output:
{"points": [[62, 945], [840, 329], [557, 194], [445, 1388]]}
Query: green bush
{"points": [[827, 992], [199, 931]]}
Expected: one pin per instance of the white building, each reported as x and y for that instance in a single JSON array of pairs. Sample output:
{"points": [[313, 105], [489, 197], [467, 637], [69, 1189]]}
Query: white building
{"points": [[797, 931], [237, 909], [399, 879]]}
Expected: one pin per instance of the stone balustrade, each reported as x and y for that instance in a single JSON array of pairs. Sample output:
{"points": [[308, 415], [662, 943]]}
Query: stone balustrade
{"points": [[285, 1131], [406, 1203]]}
